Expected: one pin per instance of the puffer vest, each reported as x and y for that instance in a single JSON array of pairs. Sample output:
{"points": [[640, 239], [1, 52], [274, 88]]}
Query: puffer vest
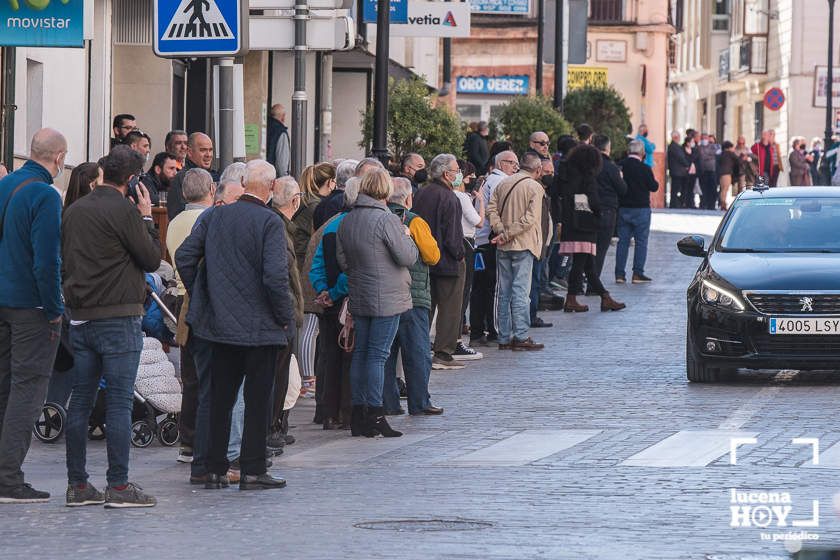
{"points": [[421, 289]]}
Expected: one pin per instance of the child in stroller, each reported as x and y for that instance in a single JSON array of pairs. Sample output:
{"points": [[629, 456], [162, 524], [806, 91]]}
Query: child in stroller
{"points": [[157, 392]]}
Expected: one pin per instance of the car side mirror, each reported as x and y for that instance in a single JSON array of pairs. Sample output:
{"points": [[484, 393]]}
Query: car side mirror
{"points": [[692, 246]]}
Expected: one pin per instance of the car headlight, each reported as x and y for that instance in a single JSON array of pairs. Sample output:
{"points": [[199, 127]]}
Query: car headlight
{"points": [[715, 295]]}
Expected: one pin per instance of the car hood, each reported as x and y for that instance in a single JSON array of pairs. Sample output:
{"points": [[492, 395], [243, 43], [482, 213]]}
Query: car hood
{"points": [[777, 271]]}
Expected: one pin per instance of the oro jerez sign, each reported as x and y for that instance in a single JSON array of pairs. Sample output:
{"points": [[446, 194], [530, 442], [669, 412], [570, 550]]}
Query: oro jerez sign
{"points": [[42, 23], [498, 85]]}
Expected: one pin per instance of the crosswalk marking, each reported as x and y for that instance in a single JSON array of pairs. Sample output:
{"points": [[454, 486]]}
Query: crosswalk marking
{"points": [[523, 448], [687, 449], [349, 451], [829, 459]]}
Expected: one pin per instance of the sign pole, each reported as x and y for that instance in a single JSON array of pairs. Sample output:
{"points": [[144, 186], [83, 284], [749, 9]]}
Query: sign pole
{"points": [[7, 116], [559, 66], [380, 99], [829, 113], [540, 46], [299, 97], [225, 139]]}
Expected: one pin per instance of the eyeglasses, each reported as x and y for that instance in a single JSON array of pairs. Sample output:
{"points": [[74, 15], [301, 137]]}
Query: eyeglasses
{"points": [[511, 162], [541, 142]]}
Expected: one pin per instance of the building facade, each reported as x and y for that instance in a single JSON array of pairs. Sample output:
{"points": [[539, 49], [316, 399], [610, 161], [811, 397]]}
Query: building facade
{"points": [[730, 54]]}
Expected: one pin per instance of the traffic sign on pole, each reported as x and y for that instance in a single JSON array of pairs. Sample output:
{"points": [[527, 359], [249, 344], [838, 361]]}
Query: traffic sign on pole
{"points": [[200, 27], [399, 11]]}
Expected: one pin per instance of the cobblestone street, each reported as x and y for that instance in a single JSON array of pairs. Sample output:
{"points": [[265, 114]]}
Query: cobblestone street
{"points": [[596, 447]]}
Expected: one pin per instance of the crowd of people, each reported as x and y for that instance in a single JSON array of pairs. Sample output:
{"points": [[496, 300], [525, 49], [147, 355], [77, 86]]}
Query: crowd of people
{"points": [[718, 172], [345, 271]]}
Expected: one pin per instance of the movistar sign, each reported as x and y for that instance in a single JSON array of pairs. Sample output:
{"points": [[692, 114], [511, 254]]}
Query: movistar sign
{"points": [[42, 23]]}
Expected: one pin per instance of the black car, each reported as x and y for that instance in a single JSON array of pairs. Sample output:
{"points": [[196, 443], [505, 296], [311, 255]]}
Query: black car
{"points": [[767, 294]]}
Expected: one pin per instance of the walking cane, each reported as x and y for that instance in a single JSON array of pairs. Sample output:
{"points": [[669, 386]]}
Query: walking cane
{"points": [[165, 309]]}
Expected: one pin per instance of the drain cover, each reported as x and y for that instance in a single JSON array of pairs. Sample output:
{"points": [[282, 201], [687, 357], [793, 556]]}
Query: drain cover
{"points": [[424, 525]]}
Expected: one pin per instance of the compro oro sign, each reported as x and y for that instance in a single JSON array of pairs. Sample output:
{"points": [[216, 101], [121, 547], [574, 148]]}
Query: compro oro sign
{"points": [[496, 85], [42, 23], [435, 19], [199, 28], [587, 76]]}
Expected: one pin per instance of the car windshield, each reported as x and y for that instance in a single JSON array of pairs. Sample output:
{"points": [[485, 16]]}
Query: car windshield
{"points": [[783, 225]]}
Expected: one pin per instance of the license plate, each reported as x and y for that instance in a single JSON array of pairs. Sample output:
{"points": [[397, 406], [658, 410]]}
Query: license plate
{"points": [[805, 325]]}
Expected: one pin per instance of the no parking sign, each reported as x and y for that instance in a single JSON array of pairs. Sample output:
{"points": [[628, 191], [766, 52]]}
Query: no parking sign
{"points": [[774, 99]]}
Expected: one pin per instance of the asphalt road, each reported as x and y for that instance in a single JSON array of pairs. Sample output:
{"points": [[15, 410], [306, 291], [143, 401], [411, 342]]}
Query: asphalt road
{"points": [[596, 447]]}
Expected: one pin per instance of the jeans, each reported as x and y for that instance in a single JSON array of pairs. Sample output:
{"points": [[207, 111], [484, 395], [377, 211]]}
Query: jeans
{"points": [[109, 349], [482, 298], [237, 423], [605, 234], [28, 344], [513, 285], [374, 337], [201, 353], [231, 365], [635, 223], [413, 343], [708, 187], [536, 287]]}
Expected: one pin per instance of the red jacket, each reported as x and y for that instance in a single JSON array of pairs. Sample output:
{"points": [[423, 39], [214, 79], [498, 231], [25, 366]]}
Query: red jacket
{"points": [[764, 168]]}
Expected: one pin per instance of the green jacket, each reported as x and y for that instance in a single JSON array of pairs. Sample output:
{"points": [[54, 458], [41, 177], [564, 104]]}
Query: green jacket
{"points": [[428, 255]]}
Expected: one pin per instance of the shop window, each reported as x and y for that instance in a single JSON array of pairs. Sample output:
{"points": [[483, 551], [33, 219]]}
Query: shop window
{"points": [[721, 10], [469, 113]]}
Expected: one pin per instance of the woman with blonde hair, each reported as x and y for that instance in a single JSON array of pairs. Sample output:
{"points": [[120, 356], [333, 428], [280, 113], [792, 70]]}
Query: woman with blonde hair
{"points": [[374, 249]]}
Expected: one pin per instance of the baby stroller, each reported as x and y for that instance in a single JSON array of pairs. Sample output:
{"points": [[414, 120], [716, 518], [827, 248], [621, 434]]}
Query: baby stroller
{"points": [[157, 393]]}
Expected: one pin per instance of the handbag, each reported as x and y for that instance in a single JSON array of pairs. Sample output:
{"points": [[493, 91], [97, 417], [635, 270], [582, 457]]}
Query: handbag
{"points": [[347, 335], [583, 218]]}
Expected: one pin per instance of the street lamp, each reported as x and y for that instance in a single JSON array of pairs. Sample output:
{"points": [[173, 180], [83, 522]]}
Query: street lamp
{"points": [[829, 110], [380, 96]]}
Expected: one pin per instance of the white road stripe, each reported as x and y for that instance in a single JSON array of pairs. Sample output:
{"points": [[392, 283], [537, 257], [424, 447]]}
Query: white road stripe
{"points": [[350, 451], [687, 449], [523, 448]]}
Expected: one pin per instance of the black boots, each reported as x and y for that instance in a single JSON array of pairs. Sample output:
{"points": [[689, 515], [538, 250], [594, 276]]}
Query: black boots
{"points": [[378, 425], [358, 420]]}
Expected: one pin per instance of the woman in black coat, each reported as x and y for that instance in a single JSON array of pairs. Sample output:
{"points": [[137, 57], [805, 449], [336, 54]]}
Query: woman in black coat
{"points": [[581, 210]]}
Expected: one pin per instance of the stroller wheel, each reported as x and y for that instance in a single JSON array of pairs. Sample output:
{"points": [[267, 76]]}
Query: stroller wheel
{"points": [[168, 432], [142, 433], [96, 433], [50, 424]]}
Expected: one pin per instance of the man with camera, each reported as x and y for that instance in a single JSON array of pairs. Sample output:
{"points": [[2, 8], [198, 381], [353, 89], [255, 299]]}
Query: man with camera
{"points": [[108, 241]]}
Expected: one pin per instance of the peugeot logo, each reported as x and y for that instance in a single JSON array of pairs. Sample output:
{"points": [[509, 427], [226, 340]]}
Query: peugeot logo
{"points": [[806, 303]]}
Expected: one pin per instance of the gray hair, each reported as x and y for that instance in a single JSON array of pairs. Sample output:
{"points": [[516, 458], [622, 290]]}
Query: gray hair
{"points": [[232, 175], [636, 147], [530, 162], [440, 165], [259, 171], [197, 184], [351, 191], [497, 161], [284, 189], [368, 162], [402, 190], [343, 172]]}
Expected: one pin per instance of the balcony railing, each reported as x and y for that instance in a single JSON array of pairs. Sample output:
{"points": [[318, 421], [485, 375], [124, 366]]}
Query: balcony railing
{"points": [[606, 12]]}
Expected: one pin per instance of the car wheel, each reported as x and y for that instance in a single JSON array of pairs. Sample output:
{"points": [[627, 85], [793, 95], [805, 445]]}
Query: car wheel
{"points": [[696, 370]]}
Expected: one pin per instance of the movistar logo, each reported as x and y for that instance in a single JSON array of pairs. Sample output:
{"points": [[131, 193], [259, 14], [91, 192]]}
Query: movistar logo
{"points": [[34, 4]]}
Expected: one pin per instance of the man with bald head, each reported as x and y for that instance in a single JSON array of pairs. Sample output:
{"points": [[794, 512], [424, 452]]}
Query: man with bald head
{"points": [[278, 147], [199, 154], [31, 306], [248, 322]]}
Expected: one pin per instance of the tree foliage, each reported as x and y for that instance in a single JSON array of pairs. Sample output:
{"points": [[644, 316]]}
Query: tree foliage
{"points": [[604, 110], [416, 123], [523, 116]]}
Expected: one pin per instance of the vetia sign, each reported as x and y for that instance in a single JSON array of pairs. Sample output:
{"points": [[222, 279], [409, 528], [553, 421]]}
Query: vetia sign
{"points": [[42, 23], [435, 19]]}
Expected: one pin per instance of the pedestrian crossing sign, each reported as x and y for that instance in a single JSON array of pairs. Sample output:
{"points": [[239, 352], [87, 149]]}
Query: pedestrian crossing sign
{"points": [[199, 27]]}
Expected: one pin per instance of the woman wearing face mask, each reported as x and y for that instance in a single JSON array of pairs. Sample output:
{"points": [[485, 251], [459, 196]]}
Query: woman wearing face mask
{"points": [[800, 164], [472, 215]]}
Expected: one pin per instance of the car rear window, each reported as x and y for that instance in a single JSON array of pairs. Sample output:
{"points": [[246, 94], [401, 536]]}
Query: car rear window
{"points": [[783, 225]]}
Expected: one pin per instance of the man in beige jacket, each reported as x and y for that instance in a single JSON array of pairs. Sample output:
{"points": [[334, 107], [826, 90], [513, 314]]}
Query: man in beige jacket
{"points": [[515, 213]]}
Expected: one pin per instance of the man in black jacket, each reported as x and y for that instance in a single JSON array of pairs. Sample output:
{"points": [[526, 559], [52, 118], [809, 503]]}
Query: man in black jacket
{"points": [[199, 154], [107, 243], [678, 164], [477, 148], [611, 187], [160, 175], [438, 205], [634, 213]]}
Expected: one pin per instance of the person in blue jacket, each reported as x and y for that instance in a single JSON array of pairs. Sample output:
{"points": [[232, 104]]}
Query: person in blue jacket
{"points": [[650, 147], [31, 304]]}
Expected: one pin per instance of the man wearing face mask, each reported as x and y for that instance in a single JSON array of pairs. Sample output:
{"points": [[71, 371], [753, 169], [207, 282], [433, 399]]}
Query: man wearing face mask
{"points": [[30, 303], [439, 206], [413, 168]]}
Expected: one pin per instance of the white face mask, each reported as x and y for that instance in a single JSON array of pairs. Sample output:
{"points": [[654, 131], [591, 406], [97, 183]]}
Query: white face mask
{"points": [[60, 172]]}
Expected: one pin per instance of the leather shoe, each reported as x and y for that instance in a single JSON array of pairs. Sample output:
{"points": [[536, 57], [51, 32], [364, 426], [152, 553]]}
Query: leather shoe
{"points": [[538, 323], [216, 482], [260, 482], [433, 410]]}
